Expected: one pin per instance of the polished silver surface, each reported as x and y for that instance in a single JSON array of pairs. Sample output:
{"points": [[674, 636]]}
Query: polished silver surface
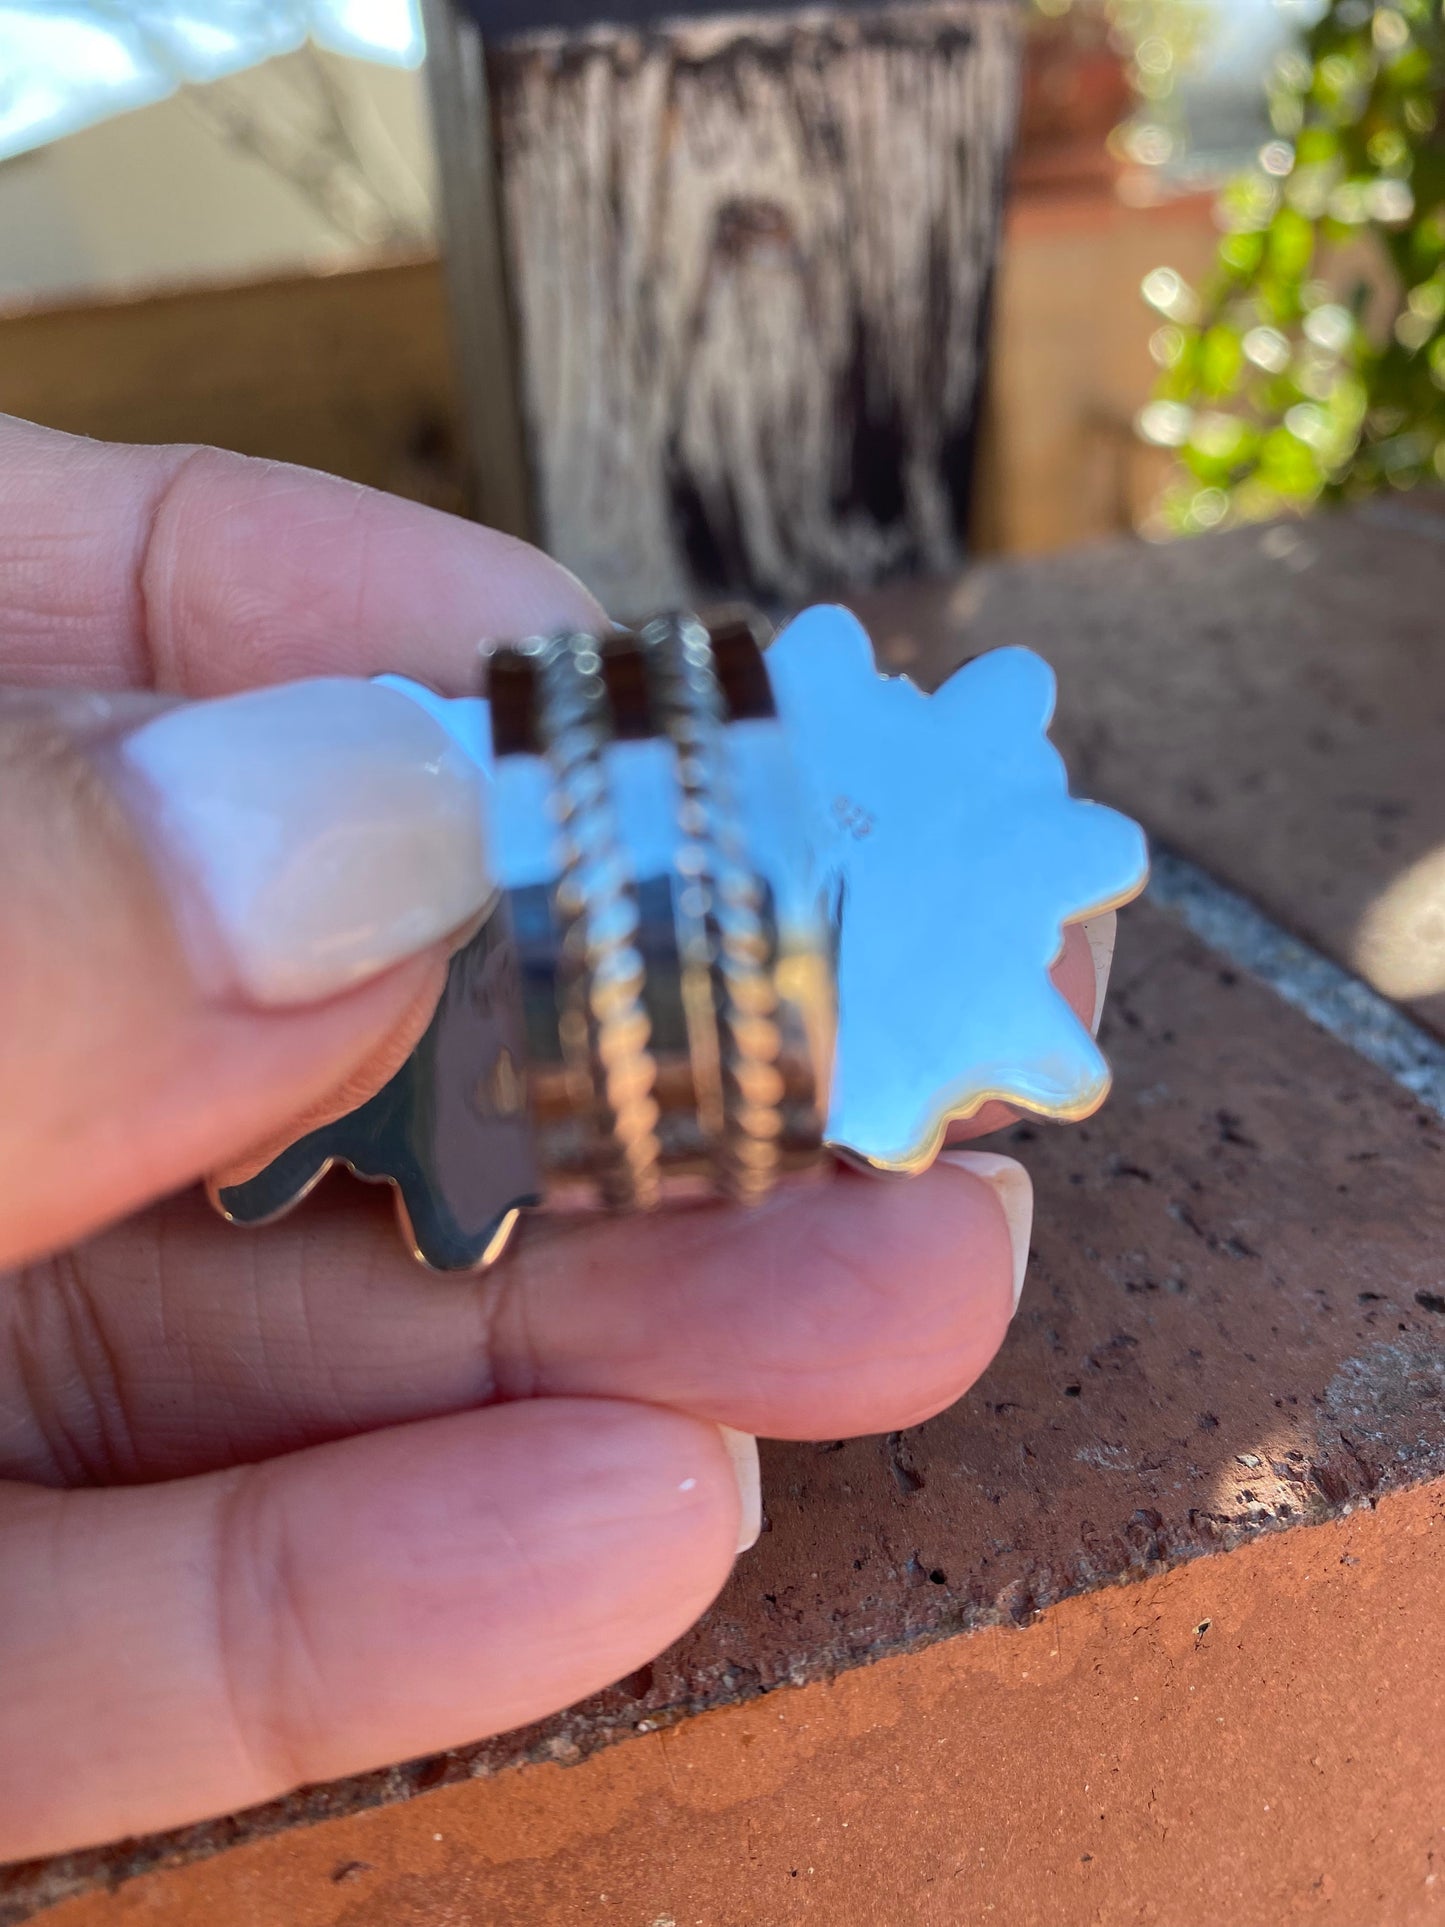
{"points": [[598, 968], [648, 1014], [751, 908], [943, 831], [727, 936]]}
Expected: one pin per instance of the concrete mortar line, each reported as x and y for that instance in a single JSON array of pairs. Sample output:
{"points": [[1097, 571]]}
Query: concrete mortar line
{"points": [[1330, 996]]}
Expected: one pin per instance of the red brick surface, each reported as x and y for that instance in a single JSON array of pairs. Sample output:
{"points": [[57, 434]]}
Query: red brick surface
{"points": [[1237, 1742], [1270, 702], [1231, 1351], [1234, 1324]]}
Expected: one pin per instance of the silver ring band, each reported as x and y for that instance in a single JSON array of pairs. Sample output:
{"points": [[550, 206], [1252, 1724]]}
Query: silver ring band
{"points": [[602, 1019]]}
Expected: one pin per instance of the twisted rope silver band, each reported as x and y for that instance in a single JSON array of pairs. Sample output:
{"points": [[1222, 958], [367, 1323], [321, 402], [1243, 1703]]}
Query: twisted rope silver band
{"points": [[603, 1022], [726, 942]]}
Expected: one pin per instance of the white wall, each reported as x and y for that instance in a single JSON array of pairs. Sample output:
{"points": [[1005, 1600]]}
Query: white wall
{"points": [[158, 196]]}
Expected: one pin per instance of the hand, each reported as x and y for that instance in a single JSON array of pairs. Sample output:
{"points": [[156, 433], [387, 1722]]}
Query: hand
{"points": [[281, 1505]]}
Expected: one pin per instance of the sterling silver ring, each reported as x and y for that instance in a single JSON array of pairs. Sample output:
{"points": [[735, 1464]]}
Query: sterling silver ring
{"points": [[756, 908]]}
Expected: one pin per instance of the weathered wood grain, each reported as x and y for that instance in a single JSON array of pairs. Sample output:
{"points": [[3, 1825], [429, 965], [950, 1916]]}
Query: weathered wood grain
{"points": [[750, 261], [487, 380]]}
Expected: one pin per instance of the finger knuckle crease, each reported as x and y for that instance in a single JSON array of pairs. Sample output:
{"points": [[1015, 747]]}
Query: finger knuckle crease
{"points": [[73, 1376], [271, 1675]]}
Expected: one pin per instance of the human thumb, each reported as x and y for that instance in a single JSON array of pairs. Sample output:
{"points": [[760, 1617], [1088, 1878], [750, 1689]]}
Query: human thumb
{"points": [[210, 914]]}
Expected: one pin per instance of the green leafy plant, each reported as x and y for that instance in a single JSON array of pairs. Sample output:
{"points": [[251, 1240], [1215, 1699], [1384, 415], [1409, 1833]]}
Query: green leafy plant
{"points": [[1313, 363], [1164, 40]]}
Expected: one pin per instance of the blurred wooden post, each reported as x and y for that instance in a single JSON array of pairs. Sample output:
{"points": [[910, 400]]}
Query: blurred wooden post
{"points": [[488, 377], [747, 260]]}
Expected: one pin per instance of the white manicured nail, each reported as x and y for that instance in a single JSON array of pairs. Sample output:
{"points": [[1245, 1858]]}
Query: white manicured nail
{"points": [[1014, 1189], [328, 829], [742, 1450], [1101, 933]]}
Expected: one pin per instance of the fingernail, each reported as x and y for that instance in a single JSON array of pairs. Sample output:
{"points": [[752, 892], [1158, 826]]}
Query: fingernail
{"points": [[742, 1451], [1014, 1189], [1101, 933], [325, 829]]}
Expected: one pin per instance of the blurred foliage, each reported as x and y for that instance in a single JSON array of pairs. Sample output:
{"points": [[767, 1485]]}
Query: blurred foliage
{"points": [[1159, 43], [1163, 40], [1283, 381]]}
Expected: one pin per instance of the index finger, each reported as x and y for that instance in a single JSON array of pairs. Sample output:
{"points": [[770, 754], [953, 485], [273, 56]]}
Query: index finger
{"points": [[201, 572]]}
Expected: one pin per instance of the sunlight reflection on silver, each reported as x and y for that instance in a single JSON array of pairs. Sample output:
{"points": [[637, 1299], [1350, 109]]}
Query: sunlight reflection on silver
{"points": [[752, 909], [943, 827]]}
